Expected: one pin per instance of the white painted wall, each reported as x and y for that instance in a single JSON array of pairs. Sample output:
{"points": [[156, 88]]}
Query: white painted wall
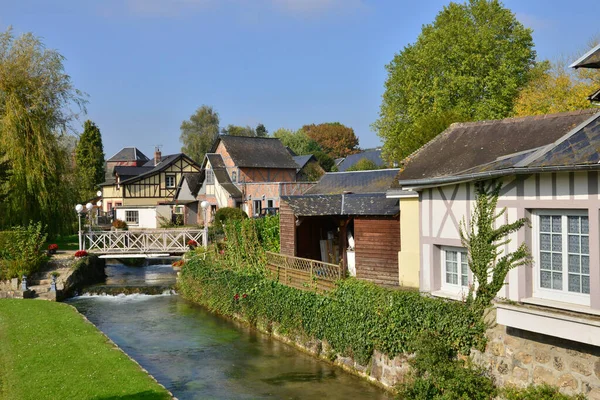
{"points": [[148, 216]]}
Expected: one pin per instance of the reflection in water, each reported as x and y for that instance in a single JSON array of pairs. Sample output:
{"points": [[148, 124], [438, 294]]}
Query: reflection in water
{"points": [[151, 275], [197, 355]]}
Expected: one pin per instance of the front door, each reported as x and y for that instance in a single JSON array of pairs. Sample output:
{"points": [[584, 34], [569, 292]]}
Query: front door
{"points": [[257, 207]]}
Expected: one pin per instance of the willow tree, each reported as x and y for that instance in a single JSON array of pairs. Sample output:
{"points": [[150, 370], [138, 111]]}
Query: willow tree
{"points": [[37, 100]]}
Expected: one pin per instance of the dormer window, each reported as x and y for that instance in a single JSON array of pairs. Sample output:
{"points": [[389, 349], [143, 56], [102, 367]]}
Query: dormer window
{"points": [[234, 177], [210, 177]]}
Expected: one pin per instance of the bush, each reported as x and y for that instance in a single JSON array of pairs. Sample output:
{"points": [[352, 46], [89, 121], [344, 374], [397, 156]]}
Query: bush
{"points": [[225, 214], [541, 392], [22, 251], [438, 375], [119, 224]]}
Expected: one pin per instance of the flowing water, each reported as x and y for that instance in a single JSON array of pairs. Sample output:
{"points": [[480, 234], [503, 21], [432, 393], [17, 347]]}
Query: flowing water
{"points": [[197, 355]]}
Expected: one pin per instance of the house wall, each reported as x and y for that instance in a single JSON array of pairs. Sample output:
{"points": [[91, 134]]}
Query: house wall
{"points": [[287, 229], [377, 240], [214, 193], [249, 175], [111, 195], [409, 254], [443, 208], [154, 187], [146, 215]]}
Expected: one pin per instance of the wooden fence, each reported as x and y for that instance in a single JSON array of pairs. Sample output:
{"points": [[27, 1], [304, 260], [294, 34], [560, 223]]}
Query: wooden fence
{"points": [[302, 273]]}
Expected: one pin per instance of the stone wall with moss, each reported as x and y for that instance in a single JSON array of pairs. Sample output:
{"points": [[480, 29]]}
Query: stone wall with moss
{"points": [[521, 358]]}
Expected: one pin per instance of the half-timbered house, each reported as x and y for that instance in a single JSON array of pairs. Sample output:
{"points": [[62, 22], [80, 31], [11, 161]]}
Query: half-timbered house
{"points": [[146, 193], [346, 217], [548, 166]]}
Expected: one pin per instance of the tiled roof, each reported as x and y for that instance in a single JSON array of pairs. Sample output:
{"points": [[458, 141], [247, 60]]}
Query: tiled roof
{"points": [[194, 181], [256, 152], [164, 163], [126, 172], [371, 155], [468, 146], [376, 181], [591, 59], [221, 174], [128, 154]]}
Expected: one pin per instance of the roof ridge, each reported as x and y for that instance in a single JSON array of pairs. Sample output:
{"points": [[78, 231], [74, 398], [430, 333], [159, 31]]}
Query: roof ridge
{"points": [[367, 170], [525, 118]]}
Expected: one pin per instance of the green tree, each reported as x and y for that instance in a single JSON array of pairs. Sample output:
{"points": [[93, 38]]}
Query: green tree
{"points": [[37, 100], [335, 139], [199, 133], [554, 87], [89, 161], [485, 238], [261, 131], [234, 130], [469, 64], [4, 175], [297, 141], [364, 164]]}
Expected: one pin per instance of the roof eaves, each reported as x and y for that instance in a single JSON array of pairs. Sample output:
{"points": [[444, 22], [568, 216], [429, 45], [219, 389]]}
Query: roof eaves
{"points": [[584, 57]]}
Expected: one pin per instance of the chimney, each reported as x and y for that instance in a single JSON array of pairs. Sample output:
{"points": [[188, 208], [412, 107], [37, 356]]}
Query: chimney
{"points": [[157, 155]]}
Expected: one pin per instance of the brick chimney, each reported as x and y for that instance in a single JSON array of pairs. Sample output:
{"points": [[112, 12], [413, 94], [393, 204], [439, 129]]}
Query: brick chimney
{"points": [[157, 155]]}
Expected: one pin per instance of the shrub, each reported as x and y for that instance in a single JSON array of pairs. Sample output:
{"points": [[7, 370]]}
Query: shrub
{"points": [[541, 392], [225, 214], [119, 224], [21, 250], [438, 374]]}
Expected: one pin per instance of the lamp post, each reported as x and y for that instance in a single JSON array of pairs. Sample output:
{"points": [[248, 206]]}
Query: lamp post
{"points": [[79, 209], [204, 206], [89, 207]]}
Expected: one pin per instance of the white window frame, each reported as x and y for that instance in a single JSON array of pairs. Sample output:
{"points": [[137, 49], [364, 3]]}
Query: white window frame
{"points": [[555, 294], [455, 288], [234, 176], [135, 221], [210, 177], [167, 178]]}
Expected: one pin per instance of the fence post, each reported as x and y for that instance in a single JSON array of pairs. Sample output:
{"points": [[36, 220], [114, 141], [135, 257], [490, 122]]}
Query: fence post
{"points": [[311, 270], [205, 236]]}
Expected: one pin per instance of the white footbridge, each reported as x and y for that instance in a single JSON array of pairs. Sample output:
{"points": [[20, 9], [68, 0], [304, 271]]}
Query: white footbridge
{"points": [[142, 243]]}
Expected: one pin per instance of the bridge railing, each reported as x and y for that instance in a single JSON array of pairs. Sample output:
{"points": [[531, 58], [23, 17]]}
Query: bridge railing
{"points": [[146, 241]]}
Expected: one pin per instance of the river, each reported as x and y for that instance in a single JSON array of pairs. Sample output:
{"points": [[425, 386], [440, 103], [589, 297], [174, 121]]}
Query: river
{"points": [[197, 355]]}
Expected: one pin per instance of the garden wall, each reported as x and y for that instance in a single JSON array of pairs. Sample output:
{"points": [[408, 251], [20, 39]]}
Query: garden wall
{"points": [[520, 358]]}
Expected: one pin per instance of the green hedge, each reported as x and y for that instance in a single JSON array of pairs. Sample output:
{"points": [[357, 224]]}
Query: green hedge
{"points": [[356, 318]]}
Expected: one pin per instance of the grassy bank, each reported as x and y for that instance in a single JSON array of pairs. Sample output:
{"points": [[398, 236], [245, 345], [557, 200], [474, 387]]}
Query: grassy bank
{"points": [[48, 351]]}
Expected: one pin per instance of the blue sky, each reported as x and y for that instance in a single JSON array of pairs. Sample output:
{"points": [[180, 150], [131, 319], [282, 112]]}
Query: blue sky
{"points": [[148, 64]]}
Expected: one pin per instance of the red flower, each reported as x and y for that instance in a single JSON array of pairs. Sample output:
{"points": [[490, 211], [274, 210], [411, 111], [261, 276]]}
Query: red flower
{"points": [[244, 296], [53, 246], [236, 297], [222, 252], [178, 263], [192, 243], [81, 253]]}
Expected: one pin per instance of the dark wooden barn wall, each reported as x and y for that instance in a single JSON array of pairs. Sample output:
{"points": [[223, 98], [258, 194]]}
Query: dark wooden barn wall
{"points": [[287, 229], [377, 242]]}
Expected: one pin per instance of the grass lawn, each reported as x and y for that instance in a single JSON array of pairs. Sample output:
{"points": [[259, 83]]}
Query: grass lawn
{"points": [[66, 242], [48, 351]]}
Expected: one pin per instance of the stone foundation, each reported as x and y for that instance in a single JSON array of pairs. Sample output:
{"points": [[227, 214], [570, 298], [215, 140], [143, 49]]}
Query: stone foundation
{"points": [[11, 289], [521, 358]]}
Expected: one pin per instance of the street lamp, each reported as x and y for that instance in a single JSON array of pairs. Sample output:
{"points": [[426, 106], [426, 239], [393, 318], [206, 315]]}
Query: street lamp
{"points": [[204, 206], [89, 207], [79, 209]]}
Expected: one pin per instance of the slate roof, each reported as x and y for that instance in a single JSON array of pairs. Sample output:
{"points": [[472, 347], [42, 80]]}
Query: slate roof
{"points": [[465, 146], [371, 155], [591, 59], [128, 154], [301, 161], [376, 181], [256, 152], [126, 172], [577, 148], [165, 162], [194, 181], [342, 204], [220, 171]]}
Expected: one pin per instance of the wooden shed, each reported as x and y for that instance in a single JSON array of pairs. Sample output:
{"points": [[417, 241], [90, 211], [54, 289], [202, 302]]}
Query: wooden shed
{"points": [[345, 216]]}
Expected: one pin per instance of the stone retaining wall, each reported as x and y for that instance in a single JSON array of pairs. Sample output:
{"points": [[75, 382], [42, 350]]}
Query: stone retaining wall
{"points": [[521, 358], [11, 289]]}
